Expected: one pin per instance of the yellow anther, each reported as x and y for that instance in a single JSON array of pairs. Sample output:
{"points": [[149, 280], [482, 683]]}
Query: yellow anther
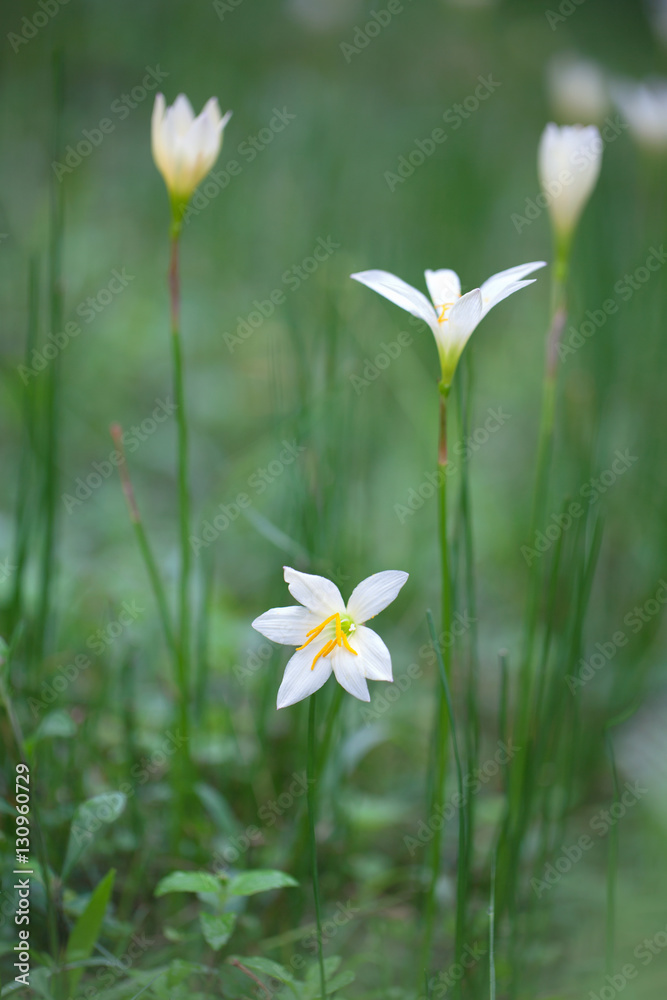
{"points": [[339, 640], [445, 307]]}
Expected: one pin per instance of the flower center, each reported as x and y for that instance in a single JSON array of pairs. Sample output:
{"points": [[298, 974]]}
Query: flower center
{"points": [[444, 308], [344, 627]]}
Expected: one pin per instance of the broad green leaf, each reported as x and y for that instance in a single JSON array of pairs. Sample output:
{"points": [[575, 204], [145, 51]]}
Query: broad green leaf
{"points": [[188, 882], [217, 928], [89, 819], [266, 967], [87, 929], [262, 880], [218, 808], [330, 966]]}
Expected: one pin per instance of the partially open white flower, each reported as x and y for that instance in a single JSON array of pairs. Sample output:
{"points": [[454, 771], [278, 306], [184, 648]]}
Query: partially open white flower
{"points": [[645, 108], [569, 160], [185, 147], [330, 635], [452, 317]]}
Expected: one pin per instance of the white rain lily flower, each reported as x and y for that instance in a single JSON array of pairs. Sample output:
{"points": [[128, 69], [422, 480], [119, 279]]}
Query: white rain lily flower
{"points": [[452, 317], [578, 89], [185, 147], [330, 635], [645, 107], [569, 160]]}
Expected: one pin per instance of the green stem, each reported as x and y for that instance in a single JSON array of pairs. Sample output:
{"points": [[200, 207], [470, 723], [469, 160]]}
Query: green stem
{"points": [[142, 540], [517, 812], [53, 380], [462, 873], [612, 866], [311, 774], [183, 660], [441, 734]]}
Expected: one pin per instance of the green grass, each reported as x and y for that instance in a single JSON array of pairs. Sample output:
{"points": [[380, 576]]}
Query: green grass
{"points": [[89, 690]]}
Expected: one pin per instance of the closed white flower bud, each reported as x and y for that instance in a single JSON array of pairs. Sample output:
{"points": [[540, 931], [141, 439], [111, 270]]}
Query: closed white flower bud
{"points": [[569, 161], [644, 105], [185, 147]]}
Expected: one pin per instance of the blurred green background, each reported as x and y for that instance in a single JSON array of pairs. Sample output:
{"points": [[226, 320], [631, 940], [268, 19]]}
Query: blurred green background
{"points": [[321, 175]]}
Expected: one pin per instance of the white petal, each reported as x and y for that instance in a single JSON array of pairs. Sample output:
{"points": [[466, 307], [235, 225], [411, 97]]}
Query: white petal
{"points": [[374, 593], [287, 625], [569, 160], [373, 654], [400, 293], [492, 290], [462, 318], [443, 286], [349, 672], [299, 679], [315, 592], [181, 114], [505, 293]]}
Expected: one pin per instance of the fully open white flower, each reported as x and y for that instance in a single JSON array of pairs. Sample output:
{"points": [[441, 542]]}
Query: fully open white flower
{"points": [[452, 317], [185, 147], [330, 635], [569, 160], [645, 107]]}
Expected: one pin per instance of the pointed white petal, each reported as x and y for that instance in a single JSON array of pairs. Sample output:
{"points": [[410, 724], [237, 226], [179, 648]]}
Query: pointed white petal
{"points": [[462, 318], [287, 625], [349, 672], [315, 592], [374, 593], [493, 288], [443, 286], [373, 654], [182, 114], [506, 292], [299, 680], [398, 292]]}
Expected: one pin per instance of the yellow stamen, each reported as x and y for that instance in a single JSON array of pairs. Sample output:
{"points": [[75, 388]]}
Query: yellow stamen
{"points": [[445, 307], [339, 640]]}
